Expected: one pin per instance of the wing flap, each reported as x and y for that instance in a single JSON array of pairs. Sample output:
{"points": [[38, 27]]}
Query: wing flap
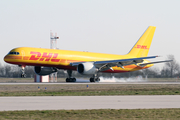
{"points": [[144, 64]]}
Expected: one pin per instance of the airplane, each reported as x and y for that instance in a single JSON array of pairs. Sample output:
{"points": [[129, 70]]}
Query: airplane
{"points": [[47, 61]]}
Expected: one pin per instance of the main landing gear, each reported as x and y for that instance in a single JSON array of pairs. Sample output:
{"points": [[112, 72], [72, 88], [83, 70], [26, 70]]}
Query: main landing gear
{"points": [[70, 79], [23, 75], [95, 78]]}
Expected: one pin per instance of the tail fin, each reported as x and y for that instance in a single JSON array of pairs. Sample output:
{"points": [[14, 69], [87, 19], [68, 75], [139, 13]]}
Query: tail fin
{"points": [[141, 48]]}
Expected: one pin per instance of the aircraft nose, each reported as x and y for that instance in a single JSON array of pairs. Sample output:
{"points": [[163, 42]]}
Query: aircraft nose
{"points": [[6, 58]]}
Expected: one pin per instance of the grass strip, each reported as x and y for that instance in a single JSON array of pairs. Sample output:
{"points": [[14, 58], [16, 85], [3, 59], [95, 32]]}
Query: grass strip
{"points": [[101, 114], [87, 93], [93, 90]]}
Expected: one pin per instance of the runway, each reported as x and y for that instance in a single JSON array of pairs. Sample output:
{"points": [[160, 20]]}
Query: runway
{"points": [[89, 102], [75, 83]]}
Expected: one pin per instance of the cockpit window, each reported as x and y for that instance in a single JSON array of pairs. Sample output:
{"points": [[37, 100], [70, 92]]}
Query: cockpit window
{"points": [[14, 53]]}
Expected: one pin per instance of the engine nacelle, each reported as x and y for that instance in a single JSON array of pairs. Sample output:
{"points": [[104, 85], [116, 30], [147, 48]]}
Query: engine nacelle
{"points": [[87, 68], [44, 70]]}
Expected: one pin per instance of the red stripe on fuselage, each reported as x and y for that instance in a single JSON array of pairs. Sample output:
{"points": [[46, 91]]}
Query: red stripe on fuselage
{"points": [[13, 57], [46, 65], [25, 58]]}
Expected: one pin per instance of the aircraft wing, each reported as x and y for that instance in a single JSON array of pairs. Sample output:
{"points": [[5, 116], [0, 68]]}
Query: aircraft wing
{"points": [[105, 65], [144, 64]]}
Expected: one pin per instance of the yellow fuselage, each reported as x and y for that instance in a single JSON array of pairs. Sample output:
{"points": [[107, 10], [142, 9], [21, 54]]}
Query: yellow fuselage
{"points": [[62, 58]]}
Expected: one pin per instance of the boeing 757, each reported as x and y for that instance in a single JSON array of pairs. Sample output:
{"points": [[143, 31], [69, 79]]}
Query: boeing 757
{"points": [[47, 61]]}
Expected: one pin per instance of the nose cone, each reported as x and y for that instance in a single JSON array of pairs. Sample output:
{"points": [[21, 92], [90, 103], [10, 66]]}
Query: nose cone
{"points": [[6, 58]]}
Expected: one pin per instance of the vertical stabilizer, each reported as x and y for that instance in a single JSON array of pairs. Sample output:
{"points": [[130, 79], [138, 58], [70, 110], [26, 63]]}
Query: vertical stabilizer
{"points": [[141, 48]]}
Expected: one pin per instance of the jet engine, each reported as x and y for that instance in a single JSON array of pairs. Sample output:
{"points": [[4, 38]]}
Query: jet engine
{"points": [[44, 70], [87, 68]]}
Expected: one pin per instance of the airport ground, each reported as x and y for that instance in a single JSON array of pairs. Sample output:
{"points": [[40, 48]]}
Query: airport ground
{"points": [[92, 90], [62, 80], [12, 88]]}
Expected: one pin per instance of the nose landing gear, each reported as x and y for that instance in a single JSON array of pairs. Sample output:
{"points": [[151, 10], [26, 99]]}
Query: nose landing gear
{"points": [[23, 75]]}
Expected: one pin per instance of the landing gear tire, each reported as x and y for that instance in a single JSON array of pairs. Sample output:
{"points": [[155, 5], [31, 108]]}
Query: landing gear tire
{"points": [[74, 79], [23, 75], [94, 79], [97, 79], [70, 79]]}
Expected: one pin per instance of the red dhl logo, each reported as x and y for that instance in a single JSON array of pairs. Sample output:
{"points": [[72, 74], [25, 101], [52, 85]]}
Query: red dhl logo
{"points": [[44, 57], [141, 47]]}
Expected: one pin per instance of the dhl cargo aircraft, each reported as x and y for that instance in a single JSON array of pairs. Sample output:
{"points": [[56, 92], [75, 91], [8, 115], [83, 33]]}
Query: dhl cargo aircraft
{"points": [[47, 61]]}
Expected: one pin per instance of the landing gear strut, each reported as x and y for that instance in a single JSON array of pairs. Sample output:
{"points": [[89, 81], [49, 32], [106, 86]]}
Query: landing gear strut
{"points": [[23, 75], [70, 79], [95, 78]]}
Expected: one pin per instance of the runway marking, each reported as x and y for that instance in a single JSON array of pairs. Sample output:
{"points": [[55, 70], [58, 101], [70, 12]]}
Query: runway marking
{"points": [[89, 102]]}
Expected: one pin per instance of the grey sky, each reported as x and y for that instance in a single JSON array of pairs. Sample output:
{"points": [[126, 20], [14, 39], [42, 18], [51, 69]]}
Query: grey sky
{"points": [[103, 26]]}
